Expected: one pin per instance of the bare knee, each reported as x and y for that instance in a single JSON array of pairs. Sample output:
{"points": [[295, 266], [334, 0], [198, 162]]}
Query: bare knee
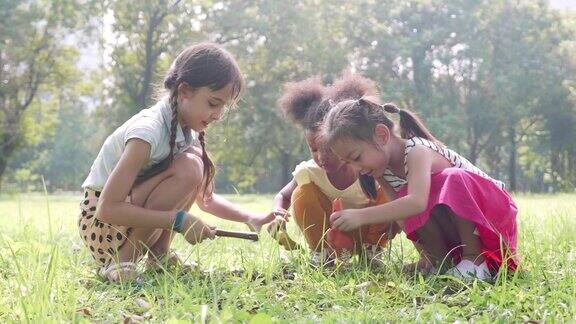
{"points": [[188, 168]]}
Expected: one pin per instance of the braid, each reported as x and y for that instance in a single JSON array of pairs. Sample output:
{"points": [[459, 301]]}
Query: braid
{"points": [[167, 162], [209, 169], [173, 123]]}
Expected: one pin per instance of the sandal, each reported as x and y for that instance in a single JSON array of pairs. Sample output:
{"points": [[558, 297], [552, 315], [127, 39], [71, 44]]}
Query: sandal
{"points": [[118, 272]]}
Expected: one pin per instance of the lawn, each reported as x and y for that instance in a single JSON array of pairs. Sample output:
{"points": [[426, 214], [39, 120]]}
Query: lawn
{"points": [[46, 275]]}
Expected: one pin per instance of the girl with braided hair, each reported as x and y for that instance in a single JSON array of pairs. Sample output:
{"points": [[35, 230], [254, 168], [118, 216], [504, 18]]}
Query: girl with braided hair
{"points": [[151, 170]]}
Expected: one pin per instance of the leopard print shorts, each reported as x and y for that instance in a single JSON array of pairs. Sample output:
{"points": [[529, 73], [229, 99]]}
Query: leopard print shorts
{"points": [[103, 239]]}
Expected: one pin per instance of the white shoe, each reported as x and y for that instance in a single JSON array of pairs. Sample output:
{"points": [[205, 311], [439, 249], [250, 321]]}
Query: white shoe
{"points": [[468, 271]]}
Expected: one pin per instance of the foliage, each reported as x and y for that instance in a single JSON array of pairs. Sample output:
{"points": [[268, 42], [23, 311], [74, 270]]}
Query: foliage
{"points": [[493, 80]]}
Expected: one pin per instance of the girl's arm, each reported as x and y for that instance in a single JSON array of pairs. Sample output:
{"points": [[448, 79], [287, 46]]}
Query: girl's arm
{"points": [[223, 208], [283, 198], [112, 207], [420, 165]]}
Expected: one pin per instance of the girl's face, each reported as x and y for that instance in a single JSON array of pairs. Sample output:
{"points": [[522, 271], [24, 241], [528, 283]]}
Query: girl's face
{"points": [[370, 158], [197, 108], [325, 158]]}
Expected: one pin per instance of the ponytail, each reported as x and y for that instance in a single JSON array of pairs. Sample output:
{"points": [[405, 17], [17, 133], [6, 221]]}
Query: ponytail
{"points": [[410, 124]]}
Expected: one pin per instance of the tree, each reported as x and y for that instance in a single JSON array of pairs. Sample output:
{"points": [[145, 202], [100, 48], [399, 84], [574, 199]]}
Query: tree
{"points": [[143, 33], [275, 42], [32, 53]]}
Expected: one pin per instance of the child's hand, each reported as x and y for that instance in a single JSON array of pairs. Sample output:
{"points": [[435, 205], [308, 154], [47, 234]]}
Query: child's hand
{"points": [[346, 220], [279, 222], [195, 230], [280, 212], [256, 222]]}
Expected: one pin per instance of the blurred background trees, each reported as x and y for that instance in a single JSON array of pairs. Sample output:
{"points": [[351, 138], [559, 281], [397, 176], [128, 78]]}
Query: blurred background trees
{"points": [[495, 80]]}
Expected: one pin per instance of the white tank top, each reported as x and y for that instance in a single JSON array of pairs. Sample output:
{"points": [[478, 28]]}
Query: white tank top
{"points": [[455, 159]]}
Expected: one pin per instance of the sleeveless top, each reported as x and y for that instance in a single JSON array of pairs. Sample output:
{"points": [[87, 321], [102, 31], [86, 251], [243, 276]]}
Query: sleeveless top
{"points": [[455, 159]]}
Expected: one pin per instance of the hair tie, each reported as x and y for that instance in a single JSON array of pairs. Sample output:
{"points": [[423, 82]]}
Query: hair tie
{"points": [[171, 80], [391, 108]]}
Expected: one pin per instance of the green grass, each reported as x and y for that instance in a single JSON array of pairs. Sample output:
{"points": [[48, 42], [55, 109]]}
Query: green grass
{"points": [[46, 275]]}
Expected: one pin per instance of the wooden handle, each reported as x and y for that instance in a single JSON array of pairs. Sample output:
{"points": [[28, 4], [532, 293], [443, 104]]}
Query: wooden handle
{"points": [[242, 235]]}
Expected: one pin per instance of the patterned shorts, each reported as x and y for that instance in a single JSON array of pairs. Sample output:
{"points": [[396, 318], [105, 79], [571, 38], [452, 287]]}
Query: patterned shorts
{"points": [[103, 239]]}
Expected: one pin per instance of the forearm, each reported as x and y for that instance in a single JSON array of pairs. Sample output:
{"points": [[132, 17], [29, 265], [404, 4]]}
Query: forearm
{"points": [[395, 210], [126, 214], [222, 208], [283, 199], [281, 202]]}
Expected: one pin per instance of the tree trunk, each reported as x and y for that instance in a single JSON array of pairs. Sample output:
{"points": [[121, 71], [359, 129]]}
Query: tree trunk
{"points": [[421, 77], [9, 139], [512, 161], [473, 153], [3, 164], [149, 64], [571, 168], [286, 175]]}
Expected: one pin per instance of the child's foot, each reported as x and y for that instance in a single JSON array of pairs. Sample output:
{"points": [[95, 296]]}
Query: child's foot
{"points": [[468, 271], [120, 272], [373, 254]]}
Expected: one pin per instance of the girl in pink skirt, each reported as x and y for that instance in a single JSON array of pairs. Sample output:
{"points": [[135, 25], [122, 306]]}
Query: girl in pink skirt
{"points": [[455, 213]]}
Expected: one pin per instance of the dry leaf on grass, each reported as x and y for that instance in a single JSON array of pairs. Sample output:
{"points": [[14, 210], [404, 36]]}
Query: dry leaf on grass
{"points": [[133, 319], [86, 311]]}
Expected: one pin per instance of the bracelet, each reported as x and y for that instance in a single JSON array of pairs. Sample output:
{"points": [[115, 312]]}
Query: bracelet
{"points": [[177, 227]]}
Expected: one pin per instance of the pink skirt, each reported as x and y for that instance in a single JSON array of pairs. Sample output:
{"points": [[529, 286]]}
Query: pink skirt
{"points": [[479, 200]]}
